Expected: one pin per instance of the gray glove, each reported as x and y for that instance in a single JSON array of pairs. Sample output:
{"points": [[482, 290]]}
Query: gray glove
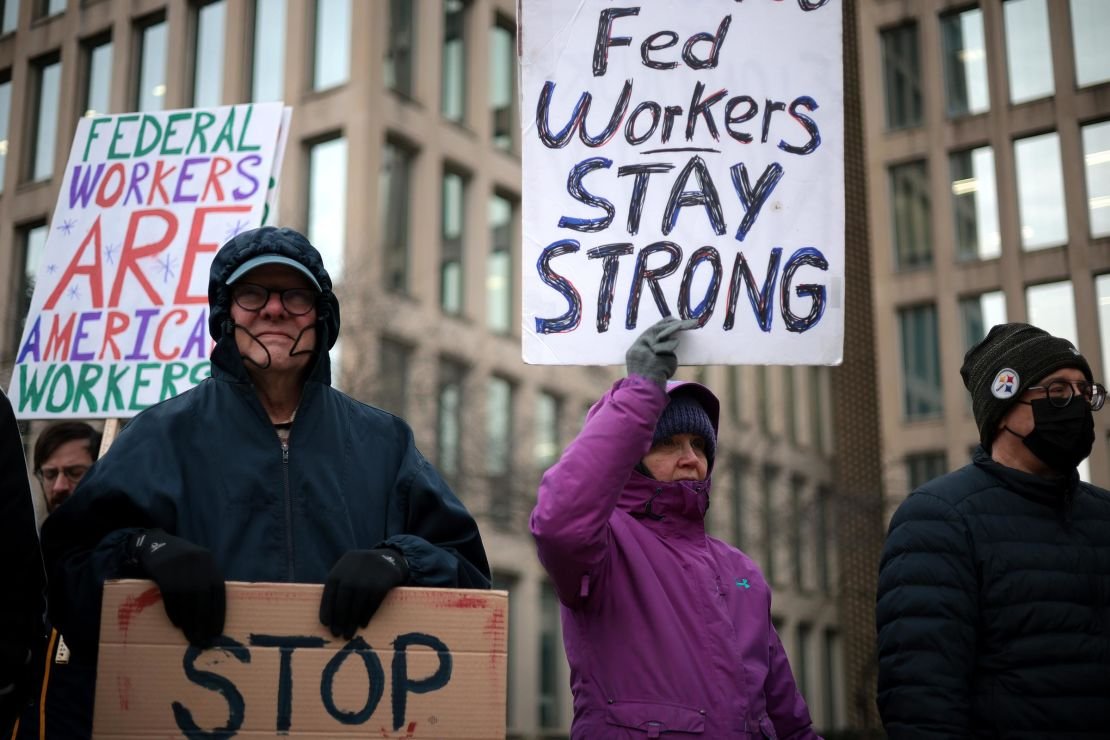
{"points": [[652, 354]]}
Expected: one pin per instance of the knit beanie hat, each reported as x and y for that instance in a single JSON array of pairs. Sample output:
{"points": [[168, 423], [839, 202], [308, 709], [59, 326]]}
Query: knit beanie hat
{"points": [[684, 415], [1012, 357]]}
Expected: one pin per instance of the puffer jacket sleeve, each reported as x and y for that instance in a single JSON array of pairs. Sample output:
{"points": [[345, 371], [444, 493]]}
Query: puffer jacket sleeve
{"points": [[21, 625], [84, 541], [431, 527], [578, 494], [785, 706], [926, 616]]}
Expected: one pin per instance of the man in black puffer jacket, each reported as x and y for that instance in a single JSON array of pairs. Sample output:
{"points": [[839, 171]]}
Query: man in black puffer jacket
{"points": [[994, 586]]}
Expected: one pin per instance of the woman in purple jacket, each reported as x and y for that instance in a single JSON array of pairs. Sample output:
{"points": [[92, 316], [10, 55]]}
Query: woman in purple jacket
{"points": [[667, 630]]}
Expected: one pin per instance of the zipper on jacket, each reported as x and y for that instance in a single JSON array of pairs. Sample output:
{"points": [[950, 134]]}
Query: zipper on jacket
{"points": [[288, 509]]}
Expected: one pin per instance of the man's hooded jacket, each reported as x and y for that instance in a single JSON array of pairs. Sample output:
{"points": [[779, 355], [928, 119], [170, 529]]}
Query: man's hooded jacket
{"points": [[208, 466]]}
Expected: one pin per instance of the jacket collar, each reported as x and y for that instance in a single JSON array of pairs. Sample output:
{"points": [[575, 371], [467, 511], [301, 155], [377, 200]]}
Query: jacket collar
{"points": [[1050, 491], [648, 499]]}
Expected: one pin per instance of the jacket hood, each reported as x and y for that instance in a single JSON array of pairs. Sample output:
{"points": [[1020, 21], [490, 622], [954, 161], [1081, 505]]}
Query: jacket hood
{"points": [[268, 240]]}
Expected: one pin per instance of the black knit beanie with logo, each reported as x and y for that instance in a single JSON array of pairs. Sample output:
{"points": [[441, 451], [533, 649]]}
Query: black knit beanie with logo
{"points": [[684, 415], [1012, 357]]}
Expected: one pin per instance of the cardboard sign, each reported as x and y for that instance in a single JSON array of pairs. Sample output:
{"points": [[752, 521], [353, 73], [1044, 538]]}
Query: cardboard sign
{"points": [[683, 158], [119, 315], [431, 664]]}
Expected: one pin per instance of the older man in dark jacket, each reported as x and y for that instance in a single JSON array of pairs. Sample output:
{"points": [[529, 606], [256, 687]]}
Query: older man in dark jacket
{"points": [[994, 586], [263, 472]]}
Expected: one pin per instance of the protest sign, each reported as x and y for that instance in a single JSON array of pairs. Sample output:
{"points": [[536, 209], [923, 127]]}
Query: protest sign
{"points": [[119, 315], [683, 158], [431, 664]]}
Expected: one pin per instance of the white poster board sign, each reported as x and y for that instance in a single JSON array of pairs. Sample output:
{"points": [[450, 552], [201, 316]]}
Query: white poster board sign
{"points": [[119, 315], [684, 158]]}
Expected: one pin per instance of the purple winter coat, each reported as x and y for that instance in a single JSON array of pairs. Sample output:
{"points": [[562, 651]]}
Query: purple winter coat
{"points": [[667, 630]]}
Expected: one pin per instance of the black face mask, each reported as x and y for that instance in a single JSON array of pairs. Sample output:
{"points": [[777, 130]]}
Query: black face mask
{"points": [[1061, 437]]}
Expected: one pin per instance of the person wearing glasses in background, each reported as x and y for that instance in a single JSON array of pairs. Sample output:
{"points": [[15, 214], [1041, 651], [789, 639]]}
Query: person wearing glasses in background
{"points": [[993, 609], [262, 472], [63, 453], [62, 696]]}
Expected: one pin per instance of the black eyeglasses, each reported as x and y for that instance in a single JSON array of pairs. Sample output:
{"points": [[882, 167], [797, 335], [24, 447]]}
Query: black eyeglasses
{"points": [[251, 297], [73, 472], [1060, 392]]}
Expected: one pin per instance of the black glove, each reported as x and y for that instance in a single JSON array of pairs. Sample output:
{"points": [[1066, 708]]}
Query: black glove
{"points": [[356, 587], [191, 583], [652, 354]]}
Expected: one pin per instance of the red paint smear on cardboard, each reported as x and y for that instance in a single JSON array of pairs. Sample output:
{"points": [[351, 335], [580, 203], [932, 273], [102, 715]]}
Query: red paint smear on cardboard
{"points": [[467, 602], [123, 688], [495, 633], [132, 606]]}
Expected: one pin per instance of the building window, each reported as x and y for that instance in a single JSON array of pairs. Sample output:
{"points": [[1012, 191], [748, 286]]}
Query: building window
{"points": [[268, 60], [551, 652], [393, 198], [499, 270], [5, 119], [46, 74], [921, 383], [327, 203], [817, 376], [798, 536], [97, 53], [1090, 25], [832, 679], [740, 468], [965, 63], [1102, 290], [394, 367], [822, 526], [47, 8], [1028, 50], [1040, 182], [400, 52], [770, 526], [909, 192], [800, 662], [332, 60], [922, 467], [975, 204], [10, 15], [790, 405], [763, 393], [449, 417], [452, 228], [979, 313], [208, 54], [499, 426], [1051, 306], [902, 76], [735, 385], [33, 240], [1096, 155], [502, 83], [453, 98], [548, 416], [151, 92]]}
